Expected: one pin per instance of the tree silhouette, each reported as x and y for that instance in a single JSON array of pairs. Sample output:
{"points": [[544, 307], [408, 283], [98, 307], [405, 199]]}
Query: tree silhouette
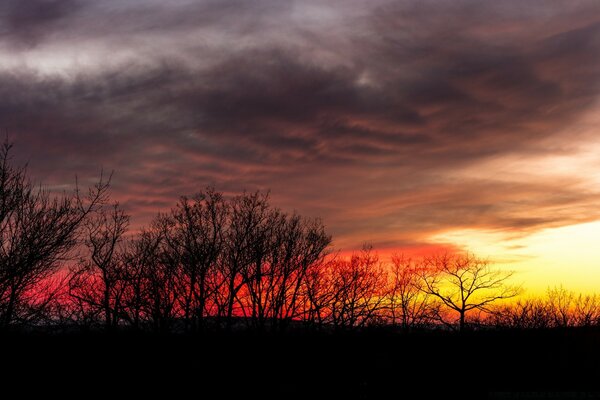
{"points": [[560, 306], [142, 265], [194, 239], [162, 274], [463, 282], [97, 281], [243, 241], [282, 249], [347, 294], [409, 306], [523, 314], [37, 233], [587, 310]]}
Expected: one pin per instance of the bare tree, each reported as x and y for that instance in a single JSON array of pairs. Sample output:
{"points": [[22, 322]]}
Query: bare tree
{"points": [[301, 244], [194, 238], [560, 306], [37, 233], [97, 281], [523, 314], [283, 248], [354, 290], [247, 213], [141, 259], [409, 306], [463, 283], [317, 293], [587, 310], [161, 272], [259, 274]]}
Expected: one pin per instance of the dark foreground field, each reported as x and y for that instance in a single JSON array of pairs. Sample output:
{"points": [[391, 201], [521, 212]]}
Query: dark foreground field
{"points": [[375, 364]]}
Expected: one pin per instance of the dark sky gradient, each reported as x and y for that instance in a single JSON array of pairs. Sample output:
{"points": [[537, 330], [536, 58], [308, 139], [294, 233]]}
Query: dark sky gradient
{"points": [[393, 121]]}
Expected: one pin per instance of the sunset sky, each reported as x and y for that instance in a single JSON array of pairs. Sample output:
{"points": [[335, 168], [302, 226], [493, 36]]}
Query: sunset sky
{"points": [[415, 126]]}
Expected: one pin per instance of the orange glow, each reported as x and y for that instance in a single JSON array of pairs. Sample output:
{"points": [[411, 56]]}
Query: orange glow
{"points": [[568, 256]]}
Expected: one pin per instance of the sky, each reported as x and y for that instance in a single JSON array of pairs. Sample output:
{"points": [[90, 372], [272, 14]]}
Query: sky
{"points": [[415, 126]]}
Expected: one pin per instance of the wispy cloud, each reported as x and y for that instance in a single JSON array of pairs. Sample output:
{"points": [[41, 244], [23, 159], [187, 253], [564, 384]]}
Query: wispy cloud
{"points": [[373, 115]]}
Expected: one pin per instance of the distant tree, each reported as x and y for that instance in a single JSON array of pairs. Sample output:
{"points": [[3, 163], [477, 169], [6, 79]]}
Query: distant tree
{"points": [[243, 239], [349, 293], [300, 245], [195, 238], [141, 260], [463, 283], [260, 274], [283, 249], [250, 258], [523, 314], [97, 280], [38, 232], [561, 304], [408, 305], [317, 293], [587, 310], [161, 278]]}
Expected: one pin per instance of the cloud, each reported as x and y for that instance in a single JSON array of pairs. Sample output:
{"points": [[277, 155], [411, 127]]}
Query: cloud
{"points": [[27, 22], [374, 116]]}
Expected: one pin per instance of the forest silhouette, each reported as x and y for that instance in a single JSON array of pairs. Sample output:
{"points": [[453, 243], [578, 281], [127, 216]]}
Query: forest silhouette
{"points": [[232, 281]]}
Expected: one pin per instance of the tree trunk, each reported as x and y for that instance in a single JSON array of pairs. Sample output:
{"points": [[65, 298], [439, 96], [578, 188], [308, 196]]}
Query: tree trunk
{"points": [[230, 301], [107, 310]]}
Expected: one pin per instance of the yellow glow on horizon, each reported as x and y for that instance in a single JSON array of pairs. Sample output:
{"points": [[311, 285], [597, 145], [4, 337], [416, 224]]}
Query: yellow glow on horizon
{"points": [[568, 256]]}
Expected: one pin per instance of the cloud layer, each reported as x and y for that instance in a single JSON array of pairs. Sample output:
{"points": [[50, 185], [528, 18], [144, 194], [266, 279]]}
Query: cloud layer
{"points": [[393, 121]]}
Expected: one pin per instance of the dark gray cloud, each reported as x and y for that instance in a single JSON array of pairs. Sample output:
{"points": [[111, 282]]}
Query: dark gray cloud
{"points": [[25, 23], [381, 117]]}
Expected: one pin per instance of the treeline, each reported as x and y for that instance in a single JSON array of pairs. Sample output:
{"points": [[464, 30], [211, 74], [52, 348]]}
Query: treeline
{"points": [[559, 308], [215, 262]]}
